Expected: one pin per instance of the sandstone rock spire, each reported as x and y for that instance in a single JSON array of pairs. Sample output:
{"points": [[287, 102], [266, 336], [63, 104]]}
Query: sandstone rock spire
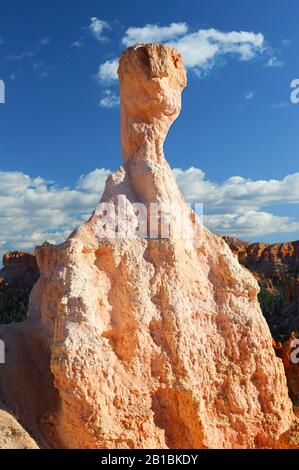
{"points": [[151, 343], [152, 78]]}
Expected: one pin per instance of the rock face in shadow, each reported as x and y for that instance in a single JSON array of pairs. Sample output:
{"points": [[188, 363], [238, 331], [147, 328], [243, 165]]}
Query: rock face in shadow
{"points": [[276, 268], [17, 277], [154, 342]]}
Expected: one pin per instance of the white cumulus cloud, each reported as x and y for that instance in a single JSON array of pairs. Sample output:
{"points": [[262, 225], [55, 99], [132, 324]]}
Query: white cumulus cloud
{"points": [[33, 210], [236, 206], [201, 50], [153, 33], [250, 224], [237, 192], [107, 71]]}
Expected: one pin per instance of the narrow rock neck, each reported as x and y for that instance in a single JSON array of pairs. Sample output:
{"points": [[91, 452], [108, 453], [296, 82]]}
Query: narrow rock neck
{"points": [[141, 140]]}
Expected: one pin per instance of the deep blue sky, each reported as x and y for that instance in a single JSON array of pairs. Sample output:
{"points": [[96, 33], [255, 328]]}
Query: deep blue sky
{"points": [[53, 126]]}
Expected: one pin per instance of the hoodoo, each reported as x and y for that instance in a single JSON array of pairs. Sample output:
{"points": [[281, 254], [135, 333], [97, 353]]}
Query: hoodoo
{"points": [[154, 342]]}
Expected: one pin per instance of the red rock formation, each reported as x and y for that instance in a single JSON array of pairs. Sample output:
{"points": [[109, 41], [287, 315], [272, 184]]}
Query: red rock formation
{"points": [[20, 269], [271, 259], [19, 260], [276, 267]]}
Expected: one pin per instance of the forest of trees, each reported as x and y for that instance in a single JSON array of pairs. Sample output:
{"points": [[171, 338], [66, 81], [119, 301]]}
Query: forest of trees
{"points": [[13, 303]]}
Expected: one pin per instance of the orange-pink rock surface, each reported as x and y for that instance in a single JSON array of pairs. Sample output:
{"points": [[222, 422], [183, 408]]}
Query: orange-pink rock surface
{"points": [[155, 342]]}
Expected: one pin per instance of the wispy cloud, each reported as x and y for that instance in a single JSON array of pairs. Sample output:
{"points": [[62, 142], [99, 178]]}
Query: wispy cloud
{"points": [[109, 99], [22, 56], [44, 41], [78, 43], [286, 42], [44, 75], [274, 62], [248, 95], [97, 28], [38, 65], [281, 105]]}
